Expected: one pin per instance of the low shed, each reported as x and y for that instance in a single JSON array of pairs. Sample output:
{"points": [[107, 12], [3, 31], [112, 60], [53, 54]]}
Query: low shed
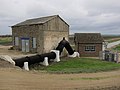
{"points": [[88, 44]]}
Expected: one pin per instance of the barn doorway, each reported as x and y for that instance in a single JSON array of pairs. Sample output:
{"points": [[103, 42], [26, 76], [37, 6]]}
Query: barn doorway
{"points": [[25, 44]]}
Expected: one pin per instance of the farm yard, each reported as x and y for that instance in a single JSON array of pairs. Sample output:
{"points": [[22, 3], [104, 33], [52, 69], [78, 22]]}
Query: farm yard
{"points": [[5, 40], [69, 74]]}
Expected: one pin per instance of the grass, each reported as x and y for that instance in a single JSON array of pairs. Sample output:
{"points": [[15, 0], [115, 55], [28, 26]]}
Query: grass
{"points": [[79, 65], [5, 40], [89, 78], [93, 78], [113, 40], [108, 37], [116, 48]]}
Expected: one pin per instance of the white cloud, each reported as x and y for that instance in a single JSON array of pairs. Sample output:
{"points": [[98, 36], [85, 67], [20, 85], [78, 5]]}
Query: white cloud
{"points": [[82, 15]]}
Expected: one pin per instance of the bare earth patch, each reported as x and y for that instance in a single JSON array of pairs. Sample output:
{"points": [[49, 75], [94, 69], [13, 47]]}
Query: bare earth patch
{"points": [[12, 53], [11, 79], [5, 64]]}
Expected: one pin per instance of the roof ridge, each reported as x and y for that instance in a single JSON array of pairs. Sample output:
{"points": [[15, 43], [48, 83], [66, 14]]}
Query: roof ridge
{"points": [[39, 20], [42, 17], [87, 33]]}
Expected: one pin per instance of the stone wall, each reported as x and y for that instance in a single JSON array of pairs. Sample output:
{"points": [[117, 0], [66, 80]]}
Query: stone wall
{"points": [[52, 39], [56, 24], [54, 31], [25, 32]]}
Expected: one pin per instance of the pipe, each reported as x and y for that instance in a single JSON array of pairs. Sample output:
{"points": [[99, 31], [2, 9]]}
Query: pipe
{"points": [[34, 59], [40, 58], [65, 43], [69, 48], [61, 45]]}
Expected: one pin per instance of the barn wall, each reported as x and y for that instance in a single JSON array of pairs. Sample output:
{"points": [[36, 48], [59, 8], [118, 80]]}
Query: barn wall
{"points": [[54, 31], [52, 39], [25, 32], [40, 40], [56, 24], [83, 53]]}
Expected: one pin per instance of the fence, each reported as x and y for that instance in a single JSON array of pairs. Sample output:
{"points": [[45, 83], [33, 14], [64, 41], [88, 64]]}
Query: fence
{"points": [[109, 56]]}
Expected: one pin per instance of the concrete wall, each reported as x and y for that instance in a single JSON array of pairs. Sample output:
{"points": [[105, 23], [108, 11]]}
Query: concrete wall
{"points": [[40, 40], [83, 53], [54, 31], [52, 39], [56, 24]]}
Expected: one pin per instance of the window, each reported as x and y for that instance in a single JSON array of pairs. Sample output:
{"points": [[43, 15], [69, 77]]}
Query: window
{"points": [[16, 41], [34, 42], [90, 48]]}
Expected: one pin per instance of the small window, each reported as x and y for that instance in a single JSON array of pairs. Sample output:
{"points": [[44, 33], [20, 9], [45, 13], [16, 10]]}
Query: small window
{"points": [[16, 41], [34, 42], [90, 48]]}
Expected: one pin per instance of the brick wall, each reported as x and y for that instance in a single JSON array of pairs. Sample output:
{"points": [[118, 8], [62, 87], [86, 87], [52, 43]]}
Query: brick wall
{"points": [[81, 49]]}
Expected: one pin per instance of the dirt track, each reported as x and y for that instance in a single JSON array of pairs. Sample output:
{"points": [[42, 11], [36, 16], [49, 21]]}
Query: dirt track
{"points": [[13, 53], [17, 79], [11, 79]]}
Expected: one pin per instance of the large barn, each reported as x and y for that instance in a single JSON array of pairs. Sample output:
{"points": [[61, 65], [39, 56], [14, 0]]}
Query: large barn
{"points": [[88, 44], [39, 34]]}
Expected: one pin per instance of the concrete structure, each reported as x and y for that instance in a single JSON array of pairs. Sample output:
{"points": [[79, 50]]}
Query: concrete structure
{"points": [[7, 58], [40, 34], [88, 44]]}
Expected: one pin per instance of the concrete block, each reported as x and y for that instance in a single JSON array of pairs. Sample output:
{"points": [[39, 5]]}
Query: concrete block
{"points": [[7, 58]]}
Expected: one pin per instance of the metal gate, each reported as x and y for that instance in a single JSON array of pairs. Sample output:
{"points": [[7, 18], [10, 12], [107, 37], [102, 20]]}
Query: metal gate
{"points": [[25, 44], [109, 56]]}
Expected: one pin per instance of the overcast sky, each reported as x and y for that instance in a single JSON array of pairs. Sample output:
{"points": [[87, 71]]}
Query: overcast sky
{"points": [[82, 15]]}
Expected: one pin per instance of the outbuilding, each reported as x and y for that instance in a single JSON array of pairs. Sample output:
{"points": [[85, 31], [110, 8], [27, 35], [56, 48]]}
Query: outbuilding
{"points": [[88, 44], [39, 34]]}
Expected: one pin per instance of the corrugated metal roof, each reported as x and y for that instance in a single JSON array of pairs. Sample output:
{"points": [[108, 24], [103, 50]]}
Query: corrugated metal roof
{"points": [[36, 20], [88, 38]]}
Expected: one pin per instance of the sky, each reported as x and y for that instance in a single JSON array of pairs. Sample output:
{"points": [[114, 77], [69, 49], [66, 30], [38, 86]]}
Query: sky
{"points": [[83, 16]]}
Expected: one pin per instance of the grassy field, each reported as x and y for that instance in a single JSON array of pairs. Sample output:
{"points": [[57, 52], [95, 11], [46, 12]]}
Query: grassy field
{"points": [[79, 65], [113, 40], [108, 37], [5, 40], [116, 48]]}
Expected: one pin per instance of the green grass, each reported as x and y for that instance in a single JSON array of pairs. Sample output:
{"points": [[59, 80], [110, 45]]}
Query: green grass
{"points": [[111, 38], [117, 48], [5, 40], [110, 41], [108, 37], [79, 65]]}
